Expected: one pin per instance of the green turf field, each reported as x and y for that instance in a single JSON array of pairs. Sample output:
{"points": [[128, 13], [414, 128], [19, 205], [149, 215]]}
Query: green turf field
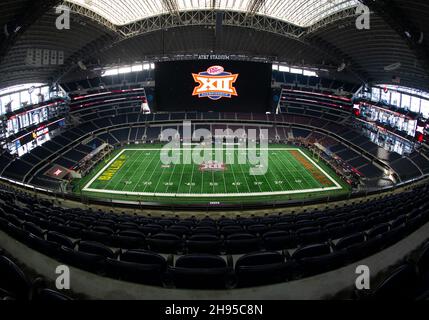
{"points": [[137, 174]]}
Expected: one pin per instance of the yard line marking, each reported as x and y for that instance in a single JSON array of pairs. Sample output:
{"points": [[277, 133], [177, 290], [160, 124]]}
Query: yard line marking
{"points": [[281, 172], [130, 166], [245, 179], [213, 182], [144, 172], [276, 173], [224, 182], [235, 180], [181, 178], [291, 172], [153, 172], [192, 180], [287, 168], [171, 174], [269, 185], [202, 180]]}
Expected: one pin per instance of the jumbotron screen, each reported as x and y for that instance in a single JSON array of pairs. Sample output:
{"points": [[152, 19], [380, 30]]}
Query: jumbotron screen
{"points": [[213, 85]]}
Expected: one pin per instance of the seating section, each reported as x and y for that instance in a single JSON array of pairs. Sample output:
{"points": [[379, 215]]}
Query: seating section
{"points": [[208, 253], [421, 161], [316, 84], [17, 169]]}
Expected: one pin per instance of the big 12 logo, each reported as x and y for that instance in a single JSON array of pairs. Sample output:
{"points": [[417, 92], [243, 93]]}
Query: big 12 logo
{"points": [[215, 83]]}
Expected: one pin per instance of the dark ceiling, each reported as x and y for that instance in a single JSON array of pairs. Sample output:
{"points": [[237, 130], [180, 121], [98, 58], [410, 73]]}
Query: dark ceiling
{"points": [[365, 52]]}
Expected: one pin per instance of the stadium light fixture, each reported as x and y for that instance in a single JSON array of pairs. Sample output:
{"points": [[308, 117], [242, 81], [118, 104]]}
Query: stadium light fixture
{"points": [[137, 68], [296, 70], [310, 73], [124, 70], [110, 72], [20, 87], [127, 69], [393, 67]]}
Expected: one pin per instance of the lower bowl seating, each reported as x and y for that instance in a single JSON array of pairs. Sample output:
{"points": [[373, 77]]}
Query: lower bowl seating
{"points": [[209, 253]]}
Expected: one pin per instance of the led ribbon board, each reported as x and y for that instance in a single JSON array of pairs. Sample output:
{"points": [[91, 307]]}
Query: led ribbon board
{"points": [[215, 83]]}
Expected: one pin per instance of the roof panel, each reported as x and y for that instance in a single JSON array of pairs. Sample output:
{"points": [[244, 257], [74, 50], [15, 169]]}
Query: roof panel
{"points": [[303, 13]]}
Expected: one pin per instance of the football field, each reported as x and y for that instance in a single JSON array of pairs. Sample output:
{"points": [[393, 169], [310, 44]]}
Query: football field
{"points": [[138, 173]]}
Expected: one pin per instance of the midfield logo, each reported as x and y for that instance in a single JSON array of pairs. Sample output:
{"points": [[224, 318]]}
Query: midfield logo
{"points": [[215, 83], [212, 166]]}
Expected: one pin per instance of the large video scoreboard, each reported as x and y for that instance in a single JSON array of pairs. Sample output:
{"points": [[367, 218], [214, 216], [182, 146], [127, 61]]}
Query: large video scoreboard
{"points": [[213, 85]]}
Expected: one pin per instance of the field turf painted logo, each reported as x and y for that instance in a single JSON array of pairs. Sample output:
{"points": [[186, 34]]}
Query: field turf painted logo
{"points": [[212, 166], [215, 83], [113, 169]]}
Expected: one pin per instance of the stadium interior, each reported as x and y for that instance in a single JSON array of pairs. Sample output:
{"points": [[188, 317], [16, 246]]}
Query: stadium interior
{"points": [[326, 100]]}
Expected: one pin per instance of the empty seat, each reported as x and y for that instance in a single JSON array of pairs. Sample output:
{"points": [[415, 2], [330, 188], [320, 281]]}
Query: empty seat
{"points": [[99, 234], [17, 232], [151, 229], [231, 229], [6, 296], [34, 229], [260, 268], [279, 240], [85, 260], [207, 222], [317, 258], [48, 295], [73, 229], [200, 272], [285, 226], [423, 262], [13, 280], [165, 243], [206, 230], [128, 240], [204, 243], [257, 229], [349, 241], [312, 251], [179, 230], [96, 248], [401, 284], [127, 226], [60, 239], [312, 235], [138, 266], [399, 221], [241, 243], [378, 230]]}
